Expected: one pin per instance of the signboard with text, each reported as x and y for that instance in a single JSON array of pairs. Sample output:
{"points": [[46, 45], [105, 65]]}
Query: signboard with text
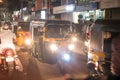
{"points": [[63, 9]]}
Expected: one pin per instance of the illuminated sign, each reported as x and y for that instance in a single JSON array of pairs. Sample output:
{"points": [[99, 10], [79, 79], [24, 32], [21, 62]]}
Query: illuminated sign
{"points": [[63, 9]]}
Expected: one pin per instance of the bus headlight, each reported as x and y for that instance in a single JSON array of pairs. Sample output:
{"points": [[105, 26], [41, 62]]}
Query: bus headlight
{"points": [[53, 47]]}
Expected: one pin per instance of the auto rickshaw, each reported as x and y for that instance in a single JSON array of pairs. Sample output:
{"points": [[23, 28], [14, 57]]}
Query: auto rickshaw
{"points": [[57, 33], [47, 34], [24, 39]]}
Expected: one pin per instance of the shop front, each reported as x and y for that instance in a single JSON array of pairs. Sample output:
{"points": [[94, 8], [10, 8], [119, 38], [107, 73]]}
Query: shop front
{"points": [[111, 7], [65, 11], [88, 11], [71, 12]]}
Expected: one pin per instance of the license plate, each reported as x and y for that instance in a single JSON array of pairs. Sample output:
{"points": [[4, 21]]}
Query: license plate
{"points": [[9, 59]]}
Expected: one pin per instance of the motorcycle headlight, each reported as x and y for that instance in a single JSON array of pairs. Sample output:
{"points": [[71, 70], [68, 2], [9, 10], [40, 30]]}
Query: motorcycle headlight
{"points": [[28, 41], [53, 47], [74, 39], [71, 46]]}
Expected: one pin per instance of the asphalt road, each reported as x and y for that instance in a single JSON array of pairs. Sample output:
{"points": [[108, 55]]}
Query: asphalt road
{"points": [[33, 69], [26, 74]]}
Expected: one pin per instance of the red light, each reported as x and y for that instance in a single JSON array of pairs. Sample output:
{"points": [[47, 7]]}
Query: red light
{"points": [[9, 52]]}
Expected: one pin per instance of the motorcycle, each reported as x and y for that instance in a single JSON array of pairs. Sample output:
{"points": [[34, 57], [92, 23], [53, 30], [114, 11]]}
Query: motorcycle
{"points": [[95, 72], [8, 57]]}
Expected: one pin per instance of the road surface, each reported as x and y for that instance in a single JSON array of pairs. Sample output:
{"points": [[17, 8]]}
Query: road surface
{"points": [[33, 69]]}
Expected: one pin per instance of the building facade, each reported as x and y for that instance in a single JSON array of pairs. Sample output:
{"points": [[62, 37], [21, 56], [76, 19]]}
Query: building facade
{"points": [[70, 9]]}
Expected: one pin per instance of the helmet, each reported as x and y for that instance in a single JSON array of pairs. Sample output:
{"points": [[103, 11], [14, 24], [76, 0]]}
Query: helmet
{"points": [[5, 26]]}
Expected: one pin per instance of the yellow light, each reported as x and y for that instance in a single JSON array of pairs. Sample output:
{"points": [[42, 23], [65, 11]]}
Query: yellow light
{"points": [[28, 41], [53, 47]]}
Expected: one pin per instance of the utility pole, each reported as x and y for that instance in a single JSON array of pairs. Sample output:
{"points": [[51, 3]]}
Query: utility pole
{"points": [[21, 2]]}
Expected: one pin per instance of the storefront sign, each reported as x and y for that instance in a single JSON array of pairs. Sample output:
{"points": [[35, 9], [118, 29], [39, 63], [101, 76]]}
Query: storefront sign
{"points": [[63, 9], [59, 9], [109, 4], [37, 23], [15, 23], [91, 6]]}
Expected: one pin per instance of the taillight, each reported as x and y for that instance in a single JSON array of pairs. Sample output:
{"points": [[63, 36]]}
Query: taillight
{"points": [[9, 53]]}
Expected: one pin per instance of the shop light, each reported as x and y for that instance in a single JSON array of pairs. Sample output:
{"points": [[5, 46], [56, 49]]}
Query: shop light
{"points": [[43, 15], [16, 12], [25, 18], [87, 16], [25, 8], [69, 7]]}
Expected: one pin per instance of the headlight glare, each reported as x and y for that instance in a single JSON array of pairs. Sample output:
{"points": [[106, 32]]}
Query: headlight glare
{"points": [[71, 46], [53, 47], [66, 57], [74, 39], [28, 41]]}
